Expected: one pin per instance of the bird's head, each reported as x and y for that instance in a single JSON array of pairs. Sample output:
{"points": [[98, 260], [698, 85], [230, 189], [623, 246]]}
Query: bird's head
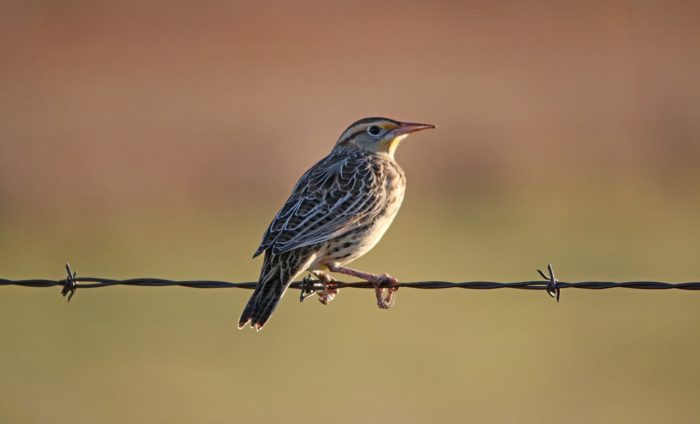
{"points": [[378, 134]]}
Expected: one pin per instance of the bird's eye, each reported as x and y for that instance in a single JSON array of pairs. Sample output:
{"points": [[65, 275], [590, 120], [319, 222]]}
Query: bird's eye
{"points": [[374, 130]]}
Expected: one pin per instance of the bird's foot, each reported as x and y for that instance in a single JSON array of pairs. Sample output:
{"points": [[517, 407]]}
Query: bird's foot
{"points": [[385, 301], [329, 290], [327, 295]]}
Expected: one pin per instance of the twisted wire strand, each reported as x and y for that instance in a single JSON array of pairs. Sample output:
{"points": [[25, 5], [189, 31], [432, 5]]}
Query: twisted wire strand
{"points": [[549, 283], [95, 282]]}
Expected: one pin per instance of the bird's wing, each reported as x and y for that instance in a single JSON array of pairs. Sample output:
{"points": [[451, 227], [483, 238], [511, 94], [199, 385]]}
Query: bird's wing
{"points": [[338, 194]]}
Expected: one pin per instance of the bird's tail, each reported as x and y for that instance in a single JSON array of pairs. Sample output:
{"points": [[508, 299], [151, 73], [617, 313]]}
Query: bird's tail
{"points": [[278, 272]]}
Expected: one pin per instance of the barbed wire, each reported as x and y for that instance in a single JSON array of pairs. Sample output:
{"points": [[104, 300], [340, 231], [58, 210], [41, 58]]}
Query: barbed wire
{"points": [[549, 283]]}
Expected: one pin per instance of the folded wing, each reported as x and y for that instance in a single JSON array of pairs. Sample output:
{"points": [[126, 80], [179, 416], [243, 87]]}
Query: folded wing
{"points": [[338, 194]]}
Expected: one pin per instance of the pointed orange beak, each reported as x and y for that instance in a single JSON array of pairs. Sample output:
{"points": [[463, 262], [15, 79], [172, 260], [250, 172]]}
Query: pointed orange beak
{"points": [[411, 127]]}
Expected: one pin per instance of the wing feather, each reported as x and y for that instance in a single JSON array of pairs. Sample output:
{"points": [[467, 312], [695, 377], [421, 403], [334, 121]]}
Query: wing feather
{"points": [[340, 193]]}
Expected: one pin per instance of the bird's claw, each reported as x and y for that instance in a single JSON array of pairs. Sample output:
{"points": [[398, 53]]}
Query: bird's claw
{"points": [[385, 301], [328, 293]]}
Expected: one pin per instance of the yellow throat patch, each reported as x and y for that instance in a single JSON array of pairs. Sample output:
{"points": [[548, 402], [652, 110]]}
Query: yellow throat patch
{"points": [[392, 144]]}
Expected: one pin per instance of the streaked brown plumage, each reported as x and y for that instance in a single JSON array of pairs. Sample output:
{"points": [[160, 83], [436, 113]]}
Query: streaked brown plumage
{"points": [[338, 211]]}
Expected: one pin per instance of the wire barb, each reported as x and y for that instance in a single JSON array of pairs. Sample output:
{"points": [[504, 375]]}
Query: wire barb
{"points": [[310, 286], [70, 285], [552, 287], [307, 288]]}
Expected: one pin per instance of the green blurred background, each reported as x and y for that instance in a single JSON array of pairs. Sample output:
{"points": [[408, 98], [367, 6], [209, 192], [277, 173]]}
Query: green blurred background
{"points": [[159, 138]]}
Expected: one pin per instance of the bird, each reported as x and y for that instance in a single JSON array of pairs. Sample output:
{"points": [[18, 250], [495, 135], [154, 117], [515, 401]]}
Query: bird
{"points": [[337, 211]]}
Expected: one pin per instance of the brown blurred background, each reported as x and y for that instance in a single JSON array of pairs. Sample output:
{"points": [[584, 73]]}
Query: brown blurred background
{"points": [[159, 138]]}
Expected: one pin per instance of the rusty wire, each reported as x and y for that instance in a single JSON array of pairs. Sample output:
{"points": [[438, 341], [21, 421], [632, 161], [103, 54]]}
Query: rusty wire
{"points": [[549, 283]]}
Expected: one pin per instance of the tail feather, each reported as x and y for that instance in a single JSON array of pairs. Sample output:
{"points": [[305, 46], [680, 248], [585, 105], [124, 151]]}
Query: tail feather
{"points": [[263, 303], [278, 272]]}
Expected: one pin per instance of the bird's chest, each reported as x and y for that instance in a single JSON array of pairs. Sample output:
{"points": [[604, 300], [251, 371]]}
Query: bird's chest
{"points": [[394, 197]]}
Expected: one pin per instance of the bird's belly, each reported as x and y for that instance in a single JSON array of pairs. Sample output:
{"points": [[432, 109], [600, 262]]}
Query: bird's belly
{"points": [[354, 244]]}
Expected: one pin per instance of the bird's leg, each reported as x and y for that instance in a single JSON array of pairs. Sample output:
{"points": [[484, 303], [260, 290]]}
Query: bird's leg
{"points": [[329, 291], [384, 302]]}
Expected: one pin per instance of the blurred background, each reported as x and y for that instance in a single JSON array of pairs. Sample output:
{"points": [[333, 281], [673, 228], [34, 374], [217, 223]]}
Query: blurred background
{"points": [[159, 138]]}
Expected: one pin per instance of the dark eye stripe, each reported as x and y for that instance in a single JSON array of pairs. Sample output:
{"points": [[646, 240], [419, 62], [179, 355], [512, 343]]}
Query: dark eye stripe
{"points": [[357, 131]]}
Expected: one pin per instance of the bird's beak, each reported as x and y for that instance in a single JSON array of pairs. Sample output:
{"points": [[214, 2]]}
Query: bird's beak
{"points": [[411, 127]]}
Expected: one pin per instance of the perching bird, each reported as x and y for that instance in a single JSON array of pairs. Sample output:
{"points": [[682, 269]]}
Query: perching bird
{"points": [[338, 211]]}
